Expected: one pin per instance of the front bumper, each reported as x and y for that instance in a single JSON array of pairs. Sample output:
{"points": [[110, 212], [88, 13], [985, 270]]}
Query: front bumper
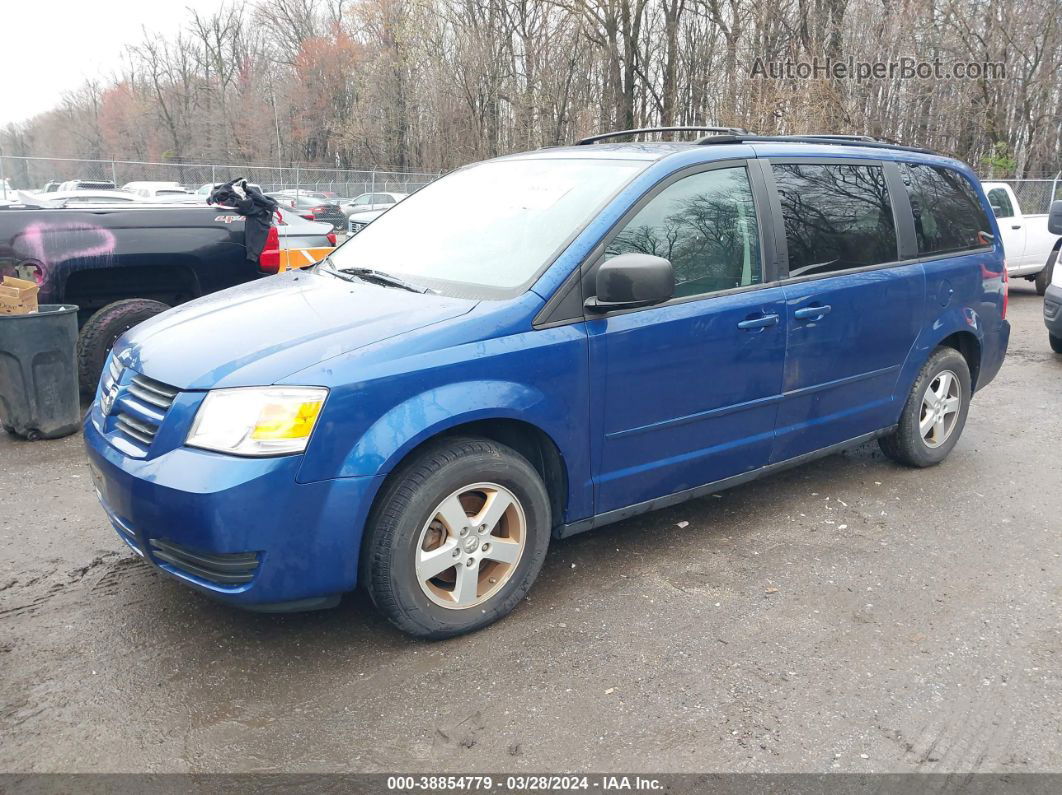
{"points": [[198, 515], [1053, 309]]}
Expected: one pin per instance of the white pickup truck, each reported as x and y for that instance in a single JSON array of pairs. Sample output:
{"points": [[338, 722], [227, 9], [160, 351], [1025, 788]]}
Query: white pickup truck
{"points": [[1031, 250]]}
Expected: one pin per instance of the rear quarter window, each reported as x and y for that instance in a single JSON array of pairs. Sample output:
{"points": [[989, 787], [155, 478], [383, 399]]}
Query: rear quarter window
{"points": [[836, 216], [947, 213]]}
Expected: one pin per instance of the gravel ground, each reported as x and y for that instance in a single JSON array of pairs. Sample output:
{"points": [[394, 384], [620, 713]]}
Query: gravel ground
{"points": [[849, 615]]}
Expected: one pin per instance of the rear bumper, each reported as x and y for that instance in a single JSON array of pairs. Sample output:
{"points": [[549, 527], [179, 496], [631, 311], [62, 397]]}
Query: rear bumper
{"points": [[1053, 309], [993, 351], [240, 530]]}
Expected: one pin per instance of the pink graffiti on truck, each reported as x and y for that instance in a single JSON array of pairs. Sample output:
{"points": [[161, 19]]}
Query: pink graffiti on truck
{"points": [[45, 241]]}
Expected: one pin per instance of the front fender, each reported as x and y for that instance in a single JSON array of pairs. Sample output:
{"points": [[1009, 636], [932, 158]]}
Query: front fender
{"points": [[417, 419]]}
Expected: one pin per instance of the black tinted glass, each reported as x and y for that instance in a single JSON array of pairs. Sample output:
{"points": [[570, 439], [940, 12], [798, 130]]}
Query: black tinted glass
{"points": [[705, 225], [947, 213], [1000, 202], [836, 217]]}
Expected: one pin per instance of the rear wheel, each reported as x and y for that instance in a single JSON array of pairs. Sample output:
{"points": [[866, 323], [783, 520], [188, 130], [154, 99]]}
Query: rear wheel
{"points": [[102, 330], [1056, 343], [935, 412], [457, 537]]}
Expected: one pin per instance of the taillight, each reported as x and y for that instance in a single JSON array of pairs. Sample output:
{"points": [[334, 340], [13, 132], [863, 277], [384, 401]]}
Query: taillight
{"points": [[269, 259], [331, 238], [316, 210], [307, 216]]}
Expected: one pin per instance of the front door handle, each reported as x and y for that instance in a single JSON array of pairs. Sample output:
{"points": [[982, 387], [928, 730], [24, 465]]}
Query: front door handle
{"points": [[1015, 226], [812, 312], [763, 321]]}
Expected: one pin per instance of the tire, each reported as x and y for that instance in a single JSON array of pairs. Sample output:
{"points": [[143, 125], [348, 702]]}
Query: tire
{"points": [[102, 330], [407, 518], [907, 445], [1043, 278], [1056, 343]]}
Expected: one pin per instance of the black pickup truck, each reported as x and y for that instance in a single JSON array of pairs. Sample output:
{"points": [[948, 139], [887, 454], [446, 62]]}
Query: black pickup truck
{"points": [[121, 264]]}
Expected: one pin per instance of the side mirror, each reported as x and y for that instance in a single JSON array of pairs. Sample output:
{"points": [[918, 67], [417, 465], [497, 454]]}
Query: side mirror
{"points": [[1054, 218], [632, 280]]}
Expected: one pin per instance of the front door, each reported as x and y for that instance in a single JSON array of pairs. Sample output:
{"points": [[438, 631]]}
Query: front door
{"points": [[686, 393]]}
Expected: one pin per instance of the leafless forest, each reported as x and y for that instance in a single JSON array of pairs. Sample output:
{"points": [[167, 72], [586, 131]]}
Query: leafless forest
{"points": [[435, 83]]}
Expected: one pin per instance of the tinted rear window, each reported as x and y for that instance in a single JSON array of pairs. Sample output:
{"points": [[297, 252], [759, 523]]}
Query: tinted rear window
{"points": [[836, 217], [947, 213]]}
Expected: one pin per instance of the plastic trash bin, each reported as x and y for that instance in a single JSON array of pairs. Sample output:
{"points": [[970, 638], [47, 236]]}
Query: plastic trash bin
{"points": [[38, 372]]}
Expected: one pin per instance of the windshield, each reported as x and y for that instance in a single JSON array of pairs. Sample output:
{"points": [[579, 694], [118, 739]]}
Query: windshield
{"points": [[492, 226]]}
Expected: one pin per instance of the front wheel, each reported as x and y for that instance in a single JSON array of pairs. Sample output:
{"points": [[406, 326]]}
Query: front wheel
{"points": [[456, 538], [935, 412], [1056, 343]]}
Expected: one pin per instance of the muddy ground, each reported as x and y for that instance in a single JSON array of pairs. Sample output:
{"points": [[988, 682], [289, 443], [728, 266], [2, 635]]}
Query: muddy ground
{"points": [[849, 615]]}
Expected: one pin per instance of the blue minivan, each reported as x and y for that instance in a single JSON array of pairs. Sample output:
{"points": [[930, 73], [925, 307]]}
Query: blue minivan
{"points": [[541, 344]]}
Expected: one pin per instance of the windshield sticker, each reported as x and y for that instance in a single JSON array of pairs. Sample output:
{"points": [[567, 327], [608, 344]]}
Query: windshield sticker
{"points": [[536, 195]]}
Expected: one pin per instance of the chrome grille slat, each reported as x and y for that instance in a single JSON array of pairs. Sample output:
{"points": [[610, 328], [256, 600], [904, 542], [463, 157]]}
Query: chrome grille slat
{"points": [[149, 395], [152, 391], [138, 411], [140, 431]]}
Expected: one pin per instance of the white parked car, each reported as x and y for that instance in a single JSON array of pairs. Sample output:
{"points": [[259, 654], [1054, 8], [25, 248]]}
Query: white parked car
{"points": [[70, 198], [87, 184], [151, 190], [1030, 248], [371, 201], [358, 221]]}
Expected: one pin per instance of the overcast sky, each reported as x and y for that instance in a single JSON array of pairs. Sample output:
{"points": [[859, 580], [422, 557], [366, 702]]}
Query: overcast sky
{"points": [[48, 47]]}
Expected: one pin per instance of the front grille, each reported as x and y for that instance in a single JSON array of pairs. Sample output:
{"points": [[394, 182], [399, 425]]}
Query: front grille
{"points": [[141, 408], [356, 226], [151, 391], [143, 432], [234, 568]]}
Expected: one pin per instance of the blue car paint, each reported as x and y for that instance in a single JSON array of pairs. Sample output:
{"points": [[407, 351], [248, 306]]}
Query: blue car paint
{"points": [[402, 368], [701, 426], [836, 386]]}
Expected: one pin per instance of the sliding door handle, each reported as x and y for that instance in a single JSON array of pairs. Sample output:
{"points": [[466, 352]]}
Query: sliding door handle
{"points": [[812, 312], [763, 321]]}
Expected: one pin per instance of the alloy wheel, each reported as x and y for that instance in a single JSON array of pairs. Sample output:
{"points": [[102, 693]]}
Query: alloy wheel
{"points": [[470, 546], [940, 408]]}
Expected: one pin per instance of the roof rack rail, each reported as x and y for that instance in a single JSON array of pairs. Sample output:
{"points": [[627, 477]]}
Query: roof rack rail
{"points": [[836, 140], [838, 137], [620, 133]]}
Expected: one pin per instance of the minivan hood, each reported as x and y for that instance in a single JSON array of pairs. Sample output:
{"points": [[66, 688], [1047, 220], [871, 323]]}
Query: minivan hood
{"points": [[260, 332]]}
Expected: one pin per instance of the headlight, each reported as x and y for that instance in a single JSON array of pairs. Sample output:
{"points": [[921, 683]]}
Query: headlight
{"points": [[257, 421]]}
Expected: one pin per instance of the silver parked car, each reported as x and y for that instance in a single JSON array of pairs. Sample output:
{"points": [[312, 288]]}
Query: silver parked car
{"points": [[371, 201]]}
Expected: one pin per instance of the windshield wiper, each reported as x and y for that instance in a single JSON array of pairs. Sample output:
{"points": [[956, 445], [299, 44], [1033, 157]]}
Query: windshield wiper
{"points": [[329, 266], [374, 276], [389, 279]]}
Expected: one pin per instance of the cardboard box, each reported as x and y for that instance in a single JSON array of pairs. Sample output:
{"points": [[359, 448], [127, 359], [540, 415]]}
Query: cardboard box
{"points": [[17, 296]]}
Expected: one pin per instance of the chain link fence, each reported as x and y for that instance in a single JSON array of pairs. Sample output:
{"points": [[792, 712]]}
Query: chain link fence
{"points": [[34, 173], [1034, 195]]}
